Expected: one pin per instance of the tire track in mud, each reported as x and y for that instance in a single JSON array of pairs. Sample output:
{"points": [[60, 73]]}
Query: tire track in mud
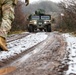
{"points": [[47, 61], [16, 36], [10, 39], [5, 62]]}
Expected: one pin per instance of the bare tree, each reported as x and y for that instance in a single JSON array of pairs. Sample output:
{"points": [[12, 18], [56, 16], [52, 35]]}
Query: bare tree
{"points": [[69, 10], [20, 22]]}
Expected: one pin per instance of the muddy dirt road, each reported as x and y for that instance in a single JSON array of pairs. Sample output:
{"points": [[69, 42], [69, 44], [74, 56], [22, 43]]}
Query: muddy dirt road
{"points": [[43, 58]]}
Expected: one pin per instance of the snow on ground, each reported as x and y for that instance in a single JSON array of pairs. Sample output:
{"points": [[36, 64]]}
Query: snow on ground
{"points": [[71, 42], [20, 45]]}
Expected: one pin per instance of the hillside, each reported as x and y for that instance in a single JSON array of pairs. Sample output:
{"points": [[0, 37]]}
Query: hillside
{"points": [[48, 6]]}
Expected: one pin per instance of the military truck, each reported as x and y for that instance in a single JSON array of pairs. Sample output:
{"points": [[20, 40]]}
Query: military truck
{"points": [[39, 21]]}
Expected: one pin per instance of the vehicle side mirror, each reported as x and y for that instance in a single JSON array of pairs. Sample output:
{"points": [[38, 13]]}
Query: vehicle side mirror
{"points": [[27, 19], [53, 20]]}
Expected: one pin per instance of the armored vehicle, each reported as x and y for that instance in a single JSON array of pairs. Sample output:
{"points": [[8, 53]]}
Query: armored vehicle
{"points": [[39, 21]]}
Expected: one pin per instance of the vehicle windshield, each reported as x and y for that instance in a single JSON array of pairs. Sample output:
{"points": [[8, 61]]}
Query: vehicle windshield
{"points": [[35, 17], [45, 17]]}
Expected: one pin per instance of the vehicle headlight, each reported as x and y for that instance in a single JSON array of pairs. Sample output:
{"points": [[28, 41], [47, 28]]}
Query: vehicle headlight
{"points": [[45, 22], [35, 22]]}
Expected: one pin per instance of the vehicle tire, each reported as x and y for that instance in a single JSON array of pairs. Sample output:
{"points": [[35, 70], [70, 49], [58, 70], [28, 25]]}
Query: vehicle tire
{"points": [[31, 28], [40, 29], [48, 28]]}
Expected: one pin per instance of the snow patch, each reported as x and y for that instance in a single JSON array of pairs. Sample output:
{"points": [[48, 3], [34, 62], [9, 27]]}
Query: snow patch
{"points": [[71, 48], [20, 45]]}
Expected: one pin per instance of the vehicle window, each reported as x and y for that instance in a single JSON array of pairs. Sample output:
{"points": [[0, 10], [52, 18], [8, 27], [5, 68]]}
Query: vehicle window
{"points": [[35, 17], [45, 17]]}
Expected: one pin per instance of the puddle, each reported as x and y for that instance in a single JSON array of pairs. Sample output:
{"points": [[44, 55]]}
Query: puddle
{"points": [[7, 70]]}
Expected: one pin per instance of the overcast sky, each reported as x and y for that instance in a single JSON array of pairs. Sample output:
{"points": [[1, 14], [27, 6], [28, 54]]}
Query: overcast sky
{"points": [[31, 1]]}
